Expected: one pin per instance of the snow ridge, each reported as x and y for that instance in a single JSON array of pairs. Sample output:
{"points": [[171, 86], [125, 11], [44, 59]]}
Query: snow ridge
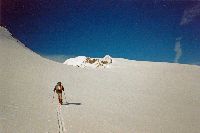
{"points": [[4, 33], [83, 62]]}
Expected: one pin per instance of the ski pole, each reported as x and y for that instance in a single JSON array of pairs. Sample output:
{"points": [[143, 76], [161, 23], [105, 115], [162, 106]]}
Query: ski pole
{"points": [[65, 97]]}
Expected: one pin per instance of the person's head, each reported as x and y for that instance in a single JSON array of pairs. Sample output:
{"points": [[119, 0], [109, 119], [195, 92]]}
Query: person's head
{"points": [[59, 83]]}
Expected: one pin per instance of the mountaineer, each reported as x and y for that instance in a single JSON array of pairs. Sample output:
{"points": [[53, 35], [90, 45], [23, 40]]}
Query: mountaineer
{"points": [[58, 89]]}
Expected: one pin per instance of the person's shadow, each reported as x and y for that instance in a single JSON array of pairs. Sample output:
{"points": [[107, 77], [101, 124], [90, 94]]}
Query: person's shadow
{"points": [[67, 103]]}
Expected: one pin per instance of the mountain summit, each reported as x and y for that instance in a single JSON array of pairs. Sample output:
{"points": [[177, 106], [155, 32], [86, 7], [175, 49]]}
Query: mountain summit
{"points": [[82, 61]]}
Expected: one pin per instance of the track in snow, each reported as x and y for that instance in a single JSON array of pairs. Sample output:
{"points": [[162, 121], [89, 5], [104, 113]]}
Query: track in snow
{"points": [[61, 127]]}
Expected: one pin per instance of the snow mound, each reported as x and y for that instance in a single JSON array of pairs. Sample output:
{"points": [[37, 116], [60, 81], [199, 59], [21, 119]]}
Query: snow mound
{"points": [[83, 62]]}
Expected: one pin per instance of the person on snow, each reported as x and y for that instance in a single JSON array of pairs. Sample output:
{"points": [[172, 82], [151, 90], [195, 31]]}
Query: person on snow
{"points": [[58, 89]]}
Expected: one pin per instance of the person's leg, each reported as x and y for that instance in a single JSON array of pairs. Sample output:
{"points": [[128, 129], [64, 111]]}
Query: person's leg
{"points": [[59, 98], [58, 95]]}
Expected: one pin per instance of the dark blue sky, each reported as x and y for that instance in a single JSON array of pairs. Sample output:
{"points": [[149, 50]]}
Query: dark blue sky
{"points": [[140, 30]]}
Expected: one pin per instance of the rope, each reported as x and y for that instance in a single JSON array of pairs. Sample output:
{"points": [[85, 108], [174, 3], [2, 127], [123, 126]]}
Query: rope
{"points": [[65, 98]]}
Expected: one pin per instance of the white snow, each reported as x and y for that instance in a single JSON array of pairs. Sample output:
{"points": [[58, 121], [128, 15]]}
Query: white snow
{"points": [[82, 61], [143, 97], [78, 61], [4, 33]]}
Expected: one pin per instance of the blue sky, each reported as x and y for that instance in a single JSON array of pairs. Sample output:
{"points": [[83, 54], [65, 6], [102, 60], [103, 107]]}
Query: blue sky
{"points": [[155, 30]]}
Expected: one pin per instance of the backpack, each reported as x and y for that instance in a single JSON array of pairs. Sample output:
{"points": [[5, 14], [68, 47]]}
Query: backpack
{"points": [[58, 88]]}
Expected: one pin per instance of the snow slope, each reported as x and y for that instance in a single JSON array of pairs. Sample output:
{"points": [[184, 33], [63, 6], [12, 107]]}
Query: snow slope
{"points": [[131, 97]]}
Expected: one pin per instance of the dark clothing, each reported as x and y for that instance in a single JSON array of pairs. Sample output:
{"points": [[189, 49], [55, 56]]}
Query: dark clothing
{"points": [[59, 92]]}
